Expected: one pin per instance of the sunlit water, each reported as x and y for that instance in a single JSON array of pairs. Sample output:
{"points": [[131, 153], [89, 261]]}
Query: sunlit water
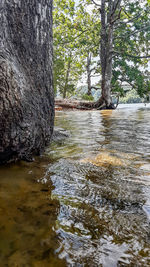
{"points": [[86, 202]]}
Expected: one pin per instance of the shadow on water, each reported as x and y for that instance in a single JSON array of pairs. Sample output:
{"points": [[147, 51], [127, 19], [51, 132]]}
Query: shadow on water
{"points": [[27, 216], [87, 201]]}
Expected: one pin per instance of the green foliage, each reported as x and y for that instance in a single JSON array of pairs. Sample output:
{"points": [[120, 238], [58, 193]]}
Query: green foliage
{"points": [[67, 64], [87, 97], [131, 41], [131, 97], [77, 32], [74, 34]]}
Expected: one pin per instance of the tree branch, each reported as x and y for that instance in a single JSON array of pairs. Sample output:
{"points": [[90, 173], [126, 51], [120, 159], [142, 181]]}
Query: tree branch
{"points": [[94, 68], [67, 42], [127, 81], [139, 30], [96, 75], [118, 17], [130, 20], [96, 88], [95, 3], [127, 14], [132, 33], [128, 55], [116, 4]]}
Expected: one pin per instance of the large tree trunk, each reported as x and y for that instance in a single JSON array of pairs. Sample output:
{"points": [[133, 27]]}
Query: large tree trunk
{"points": [[26, 87], [106, 56], [107, 70]]}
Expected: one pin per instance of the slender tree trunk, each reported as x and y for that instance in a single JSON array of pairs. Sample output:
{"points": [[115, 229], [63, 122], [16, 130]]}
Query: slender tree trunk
{"points": [[107, 24], [106, 56], [106, 89], [110, 13], [88, 73], [26, 84], [103, 50], [67, 79]]}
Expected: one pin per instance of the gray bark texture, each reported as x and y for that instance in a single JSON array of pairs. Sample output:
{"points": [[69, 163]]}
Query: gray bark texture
{"points": [[110, 12], [26, 83], [106, 56], [88, 73]]}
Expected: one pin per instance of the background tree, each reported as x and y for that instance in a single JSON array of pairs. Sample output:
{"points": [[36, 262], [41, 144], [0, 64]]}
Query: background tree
{"points": [[122, 61], [67, 62], [74, 38], [114, 33], [26, 86], [130, 64]]}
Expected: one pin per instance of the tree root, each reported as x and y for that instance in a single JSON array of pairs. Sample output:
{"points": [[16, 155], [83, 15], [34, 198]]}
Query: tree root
{"points": [[86, 105]]}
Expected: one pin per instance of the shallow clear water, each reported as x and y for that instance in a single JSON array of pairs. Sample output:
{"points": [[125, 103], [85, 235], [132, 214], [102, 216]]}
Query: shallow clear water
{"points": [[86, 202]]}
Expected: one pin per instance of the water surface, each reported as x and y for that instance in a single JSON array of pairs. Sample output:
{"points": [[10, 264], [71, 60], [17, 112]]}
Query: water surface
{"points": [[86, 202]]}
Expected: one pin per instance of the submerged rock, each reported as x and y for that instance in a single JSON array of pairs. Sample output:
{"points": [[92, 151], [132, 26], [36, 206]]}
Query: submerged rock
{"points": [[60, 134]]}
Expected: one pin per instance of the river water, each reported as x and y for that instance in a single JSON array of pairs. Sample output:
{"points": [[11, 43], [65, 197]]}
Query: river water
{"points": [[86, 201]]}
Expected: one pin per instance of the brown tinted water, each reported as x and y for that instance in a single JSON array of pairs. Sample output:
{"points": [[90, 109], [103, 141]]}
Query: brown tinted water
{"points": [[86, 202]]}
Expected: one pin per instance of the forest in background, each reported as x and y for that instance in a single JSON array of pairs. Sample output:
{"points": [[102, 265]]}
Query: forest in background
{"points": [[78, 38]]}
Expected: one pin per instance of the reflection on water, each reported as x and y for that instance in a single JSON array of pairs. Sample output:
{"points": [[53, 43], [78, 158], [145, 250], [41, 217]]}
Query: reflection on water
{"points": [[87, 201]]}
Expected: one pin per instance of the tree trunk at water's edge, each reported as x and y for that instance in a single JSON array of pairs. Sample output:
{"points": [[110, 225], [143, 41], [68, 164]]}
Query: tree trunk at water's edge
{"points": [[26, 86], [110, 13]]}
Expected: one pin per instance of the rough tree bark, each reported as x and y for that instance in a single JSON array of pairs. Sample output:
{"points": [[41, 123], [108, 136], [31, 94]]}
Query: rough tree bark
{"points": [[88, 74], [109, 15], [26, 86]]}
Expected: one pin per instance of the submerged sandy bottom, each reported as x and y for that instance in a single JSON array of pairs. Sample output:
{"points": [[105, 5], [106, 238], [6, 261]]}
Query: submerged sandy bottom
{"points": [[86, 202]]}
